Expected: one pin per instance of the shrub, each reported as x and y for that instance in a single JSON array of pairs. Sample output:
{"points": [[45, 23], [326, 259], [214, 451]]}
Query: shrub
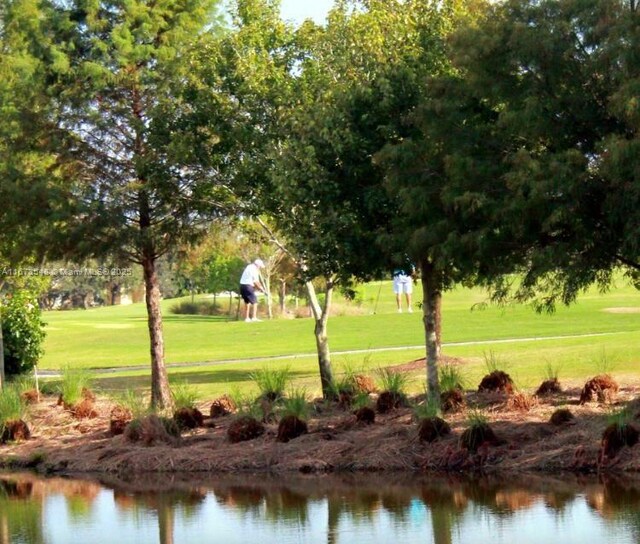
{"points": [[195, 308], [22, 331]]}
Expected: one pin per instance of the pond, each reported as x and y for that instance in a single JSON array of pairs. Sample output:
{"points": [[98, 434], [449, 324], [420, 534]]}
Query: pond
{"points": [[349, 509]]}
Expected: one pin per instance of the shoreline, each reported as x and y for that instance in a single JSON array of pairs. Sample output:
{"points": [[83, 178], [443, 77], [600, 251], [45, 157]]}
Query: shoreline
{"points": [[335, 443]]}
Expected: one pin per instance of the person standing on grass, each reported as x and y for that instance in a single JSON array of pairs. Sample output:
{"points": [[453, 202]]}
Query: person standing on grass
{"points": [[249, 282], [403, 283]]}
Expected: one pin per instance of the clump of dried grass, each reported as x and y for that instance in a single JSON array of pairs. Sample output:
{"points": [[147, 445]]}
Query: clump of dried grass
{"points": [[521, 402]]}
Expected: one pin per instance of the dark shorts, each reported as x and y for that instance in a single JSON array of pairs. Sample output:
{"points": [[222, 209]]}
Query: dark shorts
{"points": [[248, 294]]}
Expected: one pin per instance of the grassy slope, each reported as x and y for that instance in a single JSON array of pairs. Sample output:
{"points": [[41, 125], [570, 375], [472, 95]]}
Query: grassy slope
{"points": [[117, 336]]}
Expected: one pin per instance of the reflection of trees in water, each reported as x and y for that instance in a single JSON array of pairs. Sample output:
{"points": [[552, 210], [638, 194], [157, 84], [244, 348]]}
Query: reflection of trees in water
{"points": [[617, 500], [20, 514], [164, 504], [353, 500]]}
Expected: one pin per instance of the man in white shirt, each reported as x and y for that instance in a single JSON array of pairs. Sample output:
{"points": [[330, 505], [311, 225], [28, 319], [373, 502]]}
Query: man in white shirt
{"points": [[249, 282]]}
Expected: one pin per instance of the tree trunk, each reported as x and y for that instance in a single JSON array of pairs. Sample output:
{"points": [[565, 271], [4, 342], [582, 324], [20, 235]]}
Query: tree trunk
{"points": [[160, 391], [1, 352], [431, 310], [282, 293], [321, 316], [266, 279]]}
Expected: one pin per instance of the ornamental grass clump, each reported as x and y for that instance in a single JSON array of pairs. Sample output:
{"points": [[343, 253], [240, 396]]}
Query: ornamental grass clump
{"points": [[497, 380], [75, 392], [620, 432], [28, 388], [451, 388], [343, 389], [550, 384], [12, 413], [185, 413], [477, 433], [430, 425], [247, 424], [272, 382], [295, 410], [393, 385], [361, 405], [128, 406]]}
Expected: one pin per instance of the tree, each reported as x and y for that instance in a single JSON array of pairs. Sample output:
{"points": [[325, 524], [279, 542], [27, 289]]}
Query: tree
{"points": [[34, 202], [144, 170], [556, 83], [358, 80]]}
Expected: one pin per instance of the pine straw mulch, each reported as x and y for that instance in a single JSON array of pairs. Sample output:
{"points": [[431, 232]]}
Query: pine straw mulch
{"points": [[335, 442]]}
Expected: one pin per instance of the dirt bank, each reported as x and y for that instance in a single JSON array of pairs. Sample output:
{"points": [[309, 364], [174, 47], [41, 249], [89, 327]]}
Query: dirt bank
{"points": [[336, 442]]}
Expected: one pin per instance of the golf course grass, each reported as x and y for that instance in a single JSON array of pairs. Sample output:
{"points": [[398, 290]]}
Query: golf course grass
{"points": [[601, 332]]}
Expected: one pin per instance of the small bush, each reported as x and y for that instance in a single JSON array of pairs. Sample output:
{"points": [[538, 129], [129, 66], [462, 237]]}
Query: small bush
{"points": [[195, 308], [22, 331], [271, 382]]}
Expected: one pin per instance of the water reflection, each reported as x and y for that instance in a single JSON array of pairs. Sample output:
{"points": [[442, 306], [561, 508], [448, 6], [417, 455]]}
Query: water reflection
{"points": [[332, 509]]}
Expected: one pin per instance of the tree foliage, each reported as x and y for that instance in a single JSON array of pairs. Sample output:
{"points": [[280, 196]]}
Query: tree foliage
{"points": [[556, 83], [22, 331]]}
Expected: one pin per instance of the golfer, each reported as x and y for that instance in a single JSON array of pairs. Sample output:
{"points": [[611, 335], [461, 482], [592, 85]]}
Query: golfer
{"points": [[249, 282], [403, 283]]}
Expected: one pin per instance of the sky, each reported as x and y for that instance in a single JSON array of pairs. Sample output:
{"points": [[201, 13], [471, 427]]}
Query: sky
{"points": [[297, 11]]}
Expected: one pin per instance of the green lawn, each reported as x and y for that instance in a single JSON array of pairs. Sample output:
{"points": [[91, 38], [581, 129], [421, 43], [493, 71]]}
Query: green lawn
{"points": [[117, 336]]}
